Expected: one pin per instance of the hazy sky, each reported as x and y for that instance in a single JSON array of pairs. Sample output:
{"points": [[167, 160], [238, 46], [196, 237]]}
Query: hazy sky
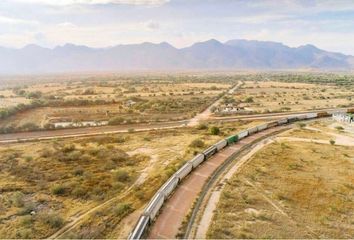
{"points": [[328, 24]]}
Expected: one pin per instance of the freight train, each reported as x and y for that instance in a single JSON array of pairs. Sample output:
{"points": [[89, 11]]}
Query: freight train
{"points": [[154, 206]]}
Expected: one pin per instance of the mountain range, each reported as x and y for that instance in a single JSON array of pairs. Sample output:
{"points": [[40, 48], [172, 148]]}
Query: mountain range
{"points": [[211, 54]]}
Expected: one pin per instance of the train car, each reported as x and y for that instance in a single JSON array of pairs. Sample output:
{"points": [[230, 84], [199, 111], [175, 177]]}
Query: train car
{"points": [[311, 115], [301, 117], [154, 206], [262, 127], [292, 119], [323, 114], [197, 160], [272, 124], [184, 171], [221, 144], [232, 139], [169, 186], [210, 152], [242, 134], [282, 121], [252, 130], [140, 228]]}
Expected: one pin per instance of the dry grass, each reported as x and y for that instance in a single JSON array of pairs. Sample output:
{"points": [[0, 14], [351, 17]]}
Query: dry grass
{"points": [[290, 190], [277, 96], [66, 178]]}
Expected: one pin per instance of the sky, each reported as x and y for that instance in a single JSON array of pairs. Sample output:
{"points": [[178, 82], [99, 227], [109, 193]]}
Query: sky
{"points": [[328, 24]]}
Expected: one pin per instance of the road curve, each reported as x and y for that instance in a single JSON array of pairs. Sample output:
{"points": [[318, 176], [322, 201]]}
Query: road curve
{"points": [[176, 208]]}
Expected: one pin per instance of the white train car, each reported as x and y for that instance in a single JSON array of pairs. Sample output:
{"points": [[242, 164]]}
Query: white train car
{"points": [[311, 115], [197, 160], [252, 130], [139, 229], [221, 144], [302, 117], [282, 121], [262, 127], [154, 206], [242, 134], [184, 171], [210, 152], [169, 186], [272, 124]]}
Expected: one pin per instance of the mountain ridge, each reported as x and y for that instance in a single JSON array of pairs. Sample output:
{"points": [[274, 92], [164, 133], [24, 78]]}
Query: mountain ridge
{"points": [[211, 54]]}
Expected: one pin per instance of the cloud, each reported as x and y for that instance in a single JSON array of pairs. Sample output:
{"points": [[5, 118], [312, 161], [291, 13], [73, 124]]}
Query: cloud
{"points": [[93, 2], [151, 25], [66, 25], [16, 21]]}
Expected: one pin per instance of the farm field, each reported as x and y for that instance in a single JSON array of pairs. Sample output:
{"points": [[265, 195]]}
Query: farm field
{"points": [[298, 186], [46, 185]]}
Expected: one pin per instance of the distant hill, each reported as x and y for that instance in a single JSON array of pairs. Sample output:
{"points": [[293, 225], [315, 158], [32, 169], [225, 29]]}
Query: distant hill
{"points": [[212, 54]]}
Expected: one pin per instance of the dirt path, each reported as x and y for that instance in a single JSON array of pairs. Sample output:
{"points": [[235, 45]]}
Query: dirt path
{"points": [[76, 220], [207, 112], [178, 206], [212, 202], [343, 140]]}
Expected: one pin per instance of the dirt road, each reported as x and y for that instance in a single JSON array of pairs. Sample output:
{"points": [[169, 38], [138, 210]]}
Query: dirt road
{"points": [[207, 112]]}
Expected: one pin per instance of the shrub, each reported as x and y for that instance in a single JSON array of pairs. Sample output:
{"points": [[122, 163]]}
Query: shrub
{"points": [[249, 100], [332, 142], [68, 148], [27, 209], [197, 143], [202, 126], [122, 208], [78, 171], [339, 128], [58, 190], [214, 130], [122, 176], [301, 125], [17, 199], [52, 220], [115, 121], [78, 192]]}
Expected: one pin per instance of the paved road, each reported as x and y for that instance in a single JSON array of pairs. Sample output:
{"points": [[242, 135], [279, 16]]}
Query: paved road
{"points": [[178, 206]]}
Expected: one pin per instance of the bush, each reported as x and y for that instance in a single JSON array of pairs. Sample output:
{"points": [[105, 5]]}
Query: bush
{"points": [[339, 128], [17, 199], [301, 125], [197, 143], [214, 130], [122, 208], [115, 121], [27, 209], [52, 220], [202, 126], [78, 171], [122, 176], [249, 100], [58, 190], [78, 192], [332, 142]]}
